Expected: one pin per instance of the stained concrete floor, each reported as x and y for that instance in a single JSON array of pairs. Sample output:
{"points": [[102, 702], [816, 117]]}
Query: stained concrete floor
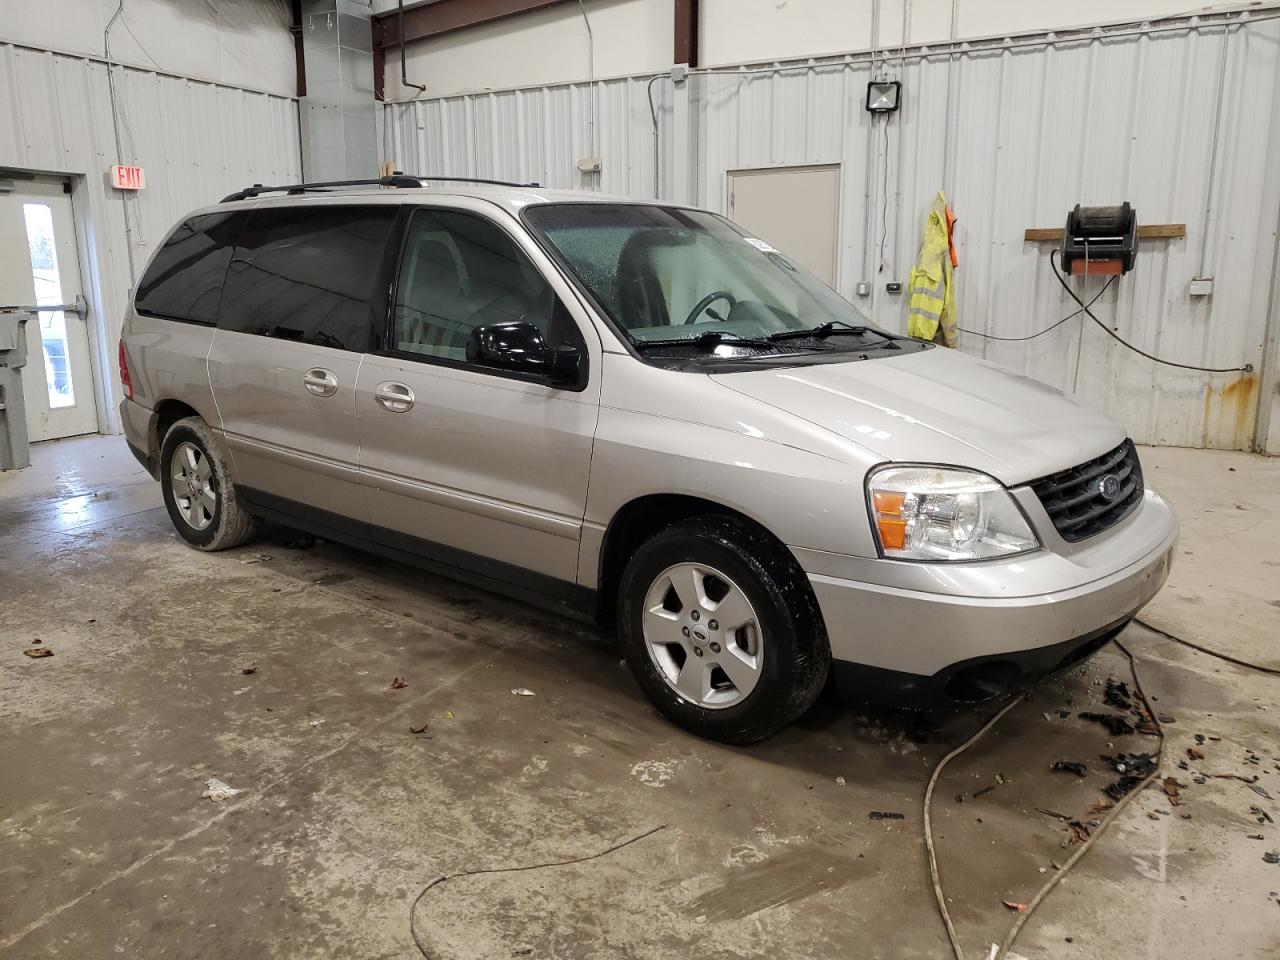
{"points": [[107, 846]]}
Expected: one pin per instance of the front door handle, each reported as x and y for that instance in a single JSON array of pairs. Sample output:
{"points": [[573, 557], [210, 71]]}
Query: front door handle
{"points": [[321, 382], [396, 397]]}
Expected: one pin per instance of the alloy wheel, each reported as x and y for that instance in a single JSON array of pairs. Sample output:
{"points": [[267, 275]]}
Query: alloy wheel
{"points": [[703, 635], [191, 480]]}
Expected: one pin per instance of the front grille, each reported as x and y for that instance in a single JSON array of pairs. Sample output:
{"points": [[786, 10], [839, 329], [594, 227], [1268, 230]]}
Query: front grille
{"points": [[1074, 499]]}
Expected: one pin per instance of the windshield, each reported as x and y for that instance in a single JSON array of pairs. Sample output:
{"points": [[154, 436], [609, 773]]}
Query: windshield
{"points": [[665, 274]]}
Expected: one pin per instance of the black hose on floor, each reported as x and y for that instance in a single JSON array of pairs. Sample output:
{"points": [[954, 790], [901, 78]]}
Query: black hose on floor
{"points": [[413, 909], [1213, 653]]}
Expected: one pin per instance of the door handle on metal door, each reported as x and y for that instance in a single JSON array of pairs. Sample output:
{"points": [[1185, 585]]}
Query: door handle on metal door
{"points": [[396, 397], [321, 382]]}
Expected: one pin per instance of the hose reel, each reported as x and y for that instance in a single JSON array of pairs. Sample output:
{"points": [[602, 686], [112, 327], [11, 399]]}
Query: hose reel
{"points": [[1100, 240]]}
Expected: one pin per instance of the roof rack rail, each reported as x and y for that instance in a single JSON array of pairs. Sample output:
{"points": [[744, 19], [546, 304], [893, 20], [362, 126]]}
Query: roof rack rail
{"points": [[396, 179]]}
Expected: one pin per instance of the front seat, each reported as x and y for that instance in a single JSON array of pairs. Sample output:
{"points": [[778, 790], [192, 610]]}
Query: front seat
{"points": [[641, 301]]}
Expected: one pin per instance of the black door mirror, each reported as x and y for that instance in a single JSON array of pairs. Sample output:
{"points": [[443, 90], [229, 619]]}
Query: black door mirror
{"points": [[519, 346]]}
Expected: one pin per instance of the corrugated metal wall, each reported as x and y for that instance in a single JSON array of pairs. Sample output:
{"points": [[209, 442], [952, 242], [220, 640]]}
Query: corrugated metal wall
{"points": [[1033, 126], [197, 142]]}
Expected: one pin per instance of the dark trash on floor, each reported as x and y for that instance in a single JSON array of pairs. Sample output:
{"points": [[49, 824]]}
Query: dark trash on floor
{"points": [[1133, 769], [1118, 726], [1069, 766]]}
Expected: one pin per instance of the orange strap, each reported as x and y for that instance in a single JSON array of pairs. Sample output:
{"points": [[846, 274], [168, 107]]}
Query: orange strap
{"points": [[951, 237]]}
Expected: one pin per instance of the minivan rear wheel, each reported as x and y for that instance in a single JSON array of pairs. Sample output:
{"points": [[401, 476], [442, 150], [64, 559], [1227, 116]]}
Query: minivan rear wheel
{"points": [[198, 492], [721, 630]]}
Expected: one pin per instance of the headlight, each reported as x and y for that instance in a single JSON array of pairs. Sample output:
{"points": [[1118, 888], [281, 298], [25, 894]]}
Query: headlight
{"points": [[945, 513]]}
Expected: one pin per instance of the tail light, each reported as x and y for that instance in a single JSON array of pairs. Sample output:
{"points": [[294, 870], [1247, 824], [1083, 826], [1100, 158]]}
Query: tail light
{"points": [[125, 380]]}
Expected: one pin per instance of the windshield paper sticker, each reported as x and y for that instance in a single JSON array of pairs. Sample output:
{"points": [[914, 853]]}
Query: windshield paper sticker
{"points": [[760, 245]]}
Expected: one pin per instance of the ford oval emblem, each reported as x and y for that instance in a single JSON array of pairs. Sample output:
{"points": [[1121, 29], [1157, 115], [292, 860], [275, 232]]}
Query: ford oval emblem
{"points": [[1109, 487]]}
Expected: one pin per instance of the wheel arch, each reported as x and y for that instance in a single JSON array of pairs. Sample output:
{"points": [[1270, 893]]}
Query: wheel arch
{"points": [[638, 520], [167, 413]]}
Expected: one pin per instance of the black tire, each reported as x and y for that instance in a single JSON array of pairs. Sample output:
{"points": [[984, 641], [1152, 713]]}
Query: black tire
{"points": [[796, 654], [229, 523]]}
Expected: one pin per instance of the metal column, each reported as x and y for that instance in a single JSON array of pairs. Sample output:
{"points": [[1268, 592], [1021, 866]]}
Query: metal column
{"points": [[339, 141]]}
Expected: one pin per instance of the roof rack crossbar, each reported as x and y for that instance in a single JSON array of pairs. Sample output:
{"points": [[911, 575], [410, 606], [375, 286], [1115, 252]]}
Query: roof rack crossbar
{"points": [[395, 180]]}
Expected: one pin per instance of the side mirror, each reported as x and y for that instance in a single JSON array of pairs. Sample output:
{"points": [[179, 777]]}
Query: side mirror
{"points": [[518, 346]]}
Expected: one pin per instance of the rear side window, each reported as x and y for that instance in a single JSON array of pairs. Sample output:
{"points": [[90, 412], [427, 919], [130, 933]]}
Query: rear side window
{"points": [[307, 274], [184, 281]]}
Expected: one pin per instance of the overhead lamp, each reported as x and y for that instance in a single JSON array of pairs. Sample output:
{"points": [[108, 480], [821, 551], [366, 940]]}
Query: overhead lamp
{"points": [[884, 96]]}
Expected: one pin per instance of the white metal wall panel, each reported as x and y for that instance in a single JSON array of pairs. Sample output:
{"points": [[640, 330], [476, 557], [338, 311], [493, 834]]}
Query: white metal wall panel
{"points": [[535, 134], [1024, 133], [197, 142]]}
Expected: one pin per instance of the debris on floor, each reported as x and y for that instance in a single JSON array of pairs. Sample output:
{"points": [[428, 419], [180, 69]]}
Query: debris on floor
{"points": [[522, 692], [329, 579], [1015, 907], [251, 668], [399, 683], [1117, 695], [1069, 766], [886, 815], [38, 652], [300, 543], [1118, 726], [1080, 832], [219, 790], [1133, 769], [255, 558], [418, 730], [1271, 856], [1172, 789], [1053, 813], [840, 781]]}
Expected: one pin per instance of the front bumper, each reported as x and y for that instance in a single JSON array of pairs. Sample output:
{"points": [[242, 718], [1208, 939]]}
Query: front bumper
{"points": [[954, 629]]}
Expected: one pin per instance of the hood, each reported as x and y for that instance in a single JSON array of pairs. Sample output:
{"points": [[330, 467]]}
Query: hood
{"points": [[939, 406]]}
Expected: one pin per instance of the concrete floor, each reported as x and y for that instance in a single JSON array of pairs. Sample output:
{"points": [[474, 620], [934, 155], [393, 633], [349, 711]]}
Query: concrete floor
{"points": [[107, 846]]}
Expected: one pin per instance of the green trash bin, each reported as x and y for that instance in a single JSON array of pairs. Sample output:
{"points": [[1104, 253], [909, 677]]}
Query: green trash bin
{"points": [[14, 452]]}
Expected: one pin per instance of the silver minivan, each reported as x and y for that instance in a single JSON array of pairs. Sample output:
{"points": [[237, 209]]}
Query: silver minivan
{"points": [[642, 413]]}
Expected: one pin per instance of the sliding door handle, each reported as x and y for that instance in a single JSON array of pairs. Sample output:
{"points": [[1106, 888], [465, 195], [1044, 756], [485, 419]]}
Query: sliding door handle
{"points": [[321, 382], [396, 397]]}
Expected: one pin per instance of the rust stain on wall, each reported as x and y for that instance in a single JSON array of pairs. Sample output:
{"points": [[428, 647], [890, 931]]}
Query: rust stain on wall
{"points": [[1229, 413]]}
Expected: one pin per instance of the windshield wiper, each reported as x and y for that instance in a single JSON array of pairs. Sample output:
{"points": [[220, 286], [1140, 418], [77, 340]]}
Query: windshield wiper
{"points": [[709, 338], [824, 330]]}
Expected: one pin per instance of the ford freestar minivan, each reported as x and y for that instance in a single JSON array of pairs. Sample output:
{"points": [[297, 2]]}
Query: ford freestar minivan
{"points": [[642, 412]]}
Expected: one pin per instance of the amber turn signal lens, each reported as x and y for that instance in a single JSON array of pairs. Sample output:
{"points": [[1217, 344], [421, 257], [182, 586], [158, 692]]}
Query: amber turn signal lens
{"points": [[889, 519]]}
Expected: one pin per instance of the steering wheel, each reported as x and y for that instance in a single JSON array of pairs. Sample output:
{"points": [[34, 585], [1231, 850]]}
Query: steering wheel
{"points": [[707, 301]]}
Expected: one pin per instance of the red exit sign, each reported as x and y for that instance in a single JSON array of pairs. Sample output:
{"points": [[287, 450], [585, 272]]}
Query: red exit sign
{"points": [[127, 178]]}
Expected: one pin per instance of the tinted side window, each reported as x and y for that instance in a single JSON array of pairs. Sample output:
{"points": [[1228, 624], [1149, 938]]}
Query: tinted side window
{"points": [[460, 271], [184, 281], [307, 274]]}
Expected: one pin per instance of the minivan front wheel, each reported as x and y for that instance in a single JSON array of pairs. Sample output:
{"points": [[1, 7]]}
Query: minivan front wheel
{"points": [[721, 631], [198, 492]]}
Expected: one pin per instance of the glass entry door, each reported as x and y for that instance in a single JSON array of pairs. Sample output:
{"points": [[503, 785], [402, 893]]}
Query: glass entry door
{"points": [[39, 267]]}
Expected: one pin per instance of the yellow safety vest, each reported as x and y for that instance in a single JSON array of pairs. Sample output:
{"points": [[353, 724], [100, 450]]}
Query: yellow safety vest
{"points": [[932, 305]]}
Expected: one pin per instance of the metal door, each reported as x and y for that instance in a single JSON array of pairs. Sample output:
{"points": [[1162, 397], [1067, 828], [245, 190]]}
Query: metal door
{"points": [[795, 209], [39, 266]]}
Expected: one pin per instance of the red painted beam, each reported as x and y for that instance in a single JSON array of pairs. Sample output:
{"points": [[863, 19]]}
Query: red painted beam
{"points": [[445, 16], [686, 47]]}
